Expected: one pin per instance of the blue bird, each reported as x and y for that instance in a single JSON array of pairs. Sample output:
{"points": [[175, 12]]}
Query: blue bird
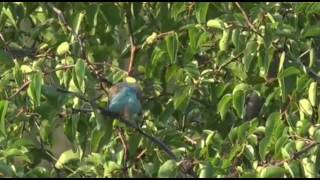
{"points": [[125, 99]]}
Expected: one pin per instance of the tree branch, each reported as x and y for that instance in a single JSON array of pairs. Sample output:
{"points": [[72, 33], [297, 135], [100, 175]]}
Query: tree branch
{"points": [[247, 19], [125, 147], [59, 69], [296, 155], [91, 66], [137, 128], [23, 87], [134, 47]]}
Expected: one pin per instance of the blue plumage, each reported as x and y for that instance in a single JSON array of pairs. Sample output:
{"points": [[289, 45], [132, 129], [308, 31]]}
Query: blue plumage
{"points": [[124, 99]]}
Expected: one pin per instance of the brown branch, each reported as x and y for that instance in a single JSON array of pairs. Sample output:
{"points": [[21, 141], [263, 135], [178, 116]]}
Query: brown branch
{"points": [[230, 61], [294, 156], [23, 87], [137, 128], [124, 143], [306, 149], [59, 69], [162, 35], [134, 47], [91, 66], [125, 147], [247, 19], [141, 154], [81, 110], [189, 140]]}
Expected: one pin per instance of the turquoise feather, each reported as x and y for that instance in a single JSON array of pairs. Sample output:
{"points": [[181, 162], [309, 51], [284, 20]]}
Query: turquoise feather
{"points": [[125, 100]]}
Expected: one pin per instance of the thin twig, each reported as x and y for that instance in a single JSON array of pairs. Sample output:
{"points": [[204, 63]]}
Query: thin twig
{"points": [[141, 153], [162, 35], [91, 66], [306, 149], [23, 87], [137, 128], [189, 140], [59, 69], [124, 143], [295, 155], [247, 19], [134, 47], [230, 61], [56, 160], [81, 110], [125, 146]]}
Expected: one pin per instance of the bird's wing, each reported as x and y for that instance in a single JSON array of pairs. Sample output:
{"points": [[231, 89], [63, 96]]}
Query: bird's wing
{"points": [[114, 90], [134, 105], [119, 101]]}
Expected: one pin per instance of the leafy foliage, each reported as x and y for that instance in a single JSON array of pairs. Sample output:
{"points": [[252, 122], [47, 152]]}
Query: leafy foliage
{"points": [[231, 88]]}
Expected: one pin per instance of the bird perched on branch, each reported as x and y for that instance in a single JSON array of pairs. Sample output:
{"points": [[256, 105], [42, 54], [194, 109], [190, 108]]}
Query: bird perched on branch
{"points": [[125, 99]]}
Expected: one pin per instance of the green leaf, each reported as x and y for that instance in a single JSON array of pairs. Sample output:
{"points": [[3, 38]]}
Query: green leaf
{"points": [[149, 169], [3, 111], [63, 48], [308, 8], [289, 72], [76, 24], [312, 94], [272, 172], [25, 25], [6, 171], [312, 31], [181, 97], [238, 102], [110, 168], [216, 23], [282, 60], [168, 169], [317, 161], [241, 87], [112, 13], [34, 89], [279, 144], [18, 75], [235, 37], [223, 43], [249, 54], [249, 152], [295, 168], [270, 127], [206, 170], [193, 38], [172, 44], [157, 55], [66, 157], [8, 13], [5, 61], [308, 167], [44, 131], [104, 124], [96, 140], [224, 105], [134, 140], [177, 8], [305, 106], [312, 57], [201, 12], [79, 70], [316, 135]]}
